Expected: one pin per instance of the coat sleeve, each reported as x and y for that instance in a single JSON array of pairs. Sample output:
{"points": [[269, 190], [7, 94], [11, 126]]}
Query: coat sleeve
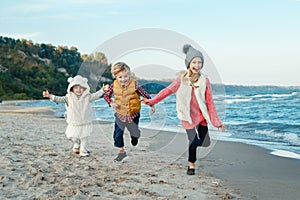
{"points": [[172, 88], [97, 95], [216, 122], [108, 94], [141, 91], [59, 99]]}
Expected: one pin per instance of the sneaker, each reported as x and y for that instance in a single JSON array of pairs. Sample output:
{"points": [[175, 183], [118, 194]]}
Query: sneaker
{"points": [[76, 148], [83, 153], [134, 141], [190, 171], [120, 156]]}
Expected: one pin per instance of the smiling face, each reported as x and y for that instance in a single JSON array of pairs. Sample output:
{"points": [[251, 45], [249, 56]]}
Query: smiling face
{"points": [[196, 65], [78, 90], [123, 77]]}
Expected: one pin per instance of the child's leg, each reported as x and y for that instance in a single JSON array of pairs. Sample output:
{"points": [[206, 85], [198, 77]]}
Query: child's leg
{"points": [[75, 145], [83, 147], [193, 144], [119, 140], [134, 130], [84, 144], [75, 141], [118, 133], [203, 135]]}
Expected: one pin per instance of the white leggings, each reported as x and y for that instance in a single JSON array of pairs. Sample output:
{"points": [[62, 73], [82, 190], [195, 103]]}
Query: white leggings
{"points": [[82, 143]]}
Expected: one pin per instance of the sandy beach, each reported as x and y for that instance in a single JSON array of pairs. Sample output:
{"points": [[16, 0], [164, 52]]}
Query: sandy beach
{"points": [[37, 162]]}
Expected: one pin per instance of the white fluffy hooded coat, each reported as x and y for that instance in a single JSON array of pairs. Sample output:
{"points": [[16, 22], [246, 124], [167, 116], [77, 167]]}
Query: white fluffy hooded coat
{"points": [[78, 108]]}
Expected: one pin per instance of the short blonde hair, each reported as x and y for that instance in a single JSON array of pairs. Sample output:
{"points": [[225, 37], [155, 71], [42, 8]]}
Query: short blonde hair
{"points": [[118, 67]]}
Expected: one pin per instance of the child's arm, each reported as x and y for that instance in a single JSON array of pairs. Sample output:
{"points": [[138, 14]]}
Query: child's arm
{"points": [[172, 88], [216, 122], [141, 91], [152, 109], [107, 96], [145, 95], [99, 93], [46, 94], [56, 99]]}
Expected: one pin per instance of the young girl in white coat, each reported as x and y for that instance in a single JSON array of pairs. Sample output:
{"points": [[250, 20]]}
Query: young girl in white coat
{"points": [[194, 103], [79, 111]]}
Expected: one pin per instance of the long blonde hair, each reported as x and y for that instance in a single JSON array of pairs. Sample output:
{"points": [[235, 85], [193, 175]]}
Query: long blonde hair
{"points": [[190, 76]]}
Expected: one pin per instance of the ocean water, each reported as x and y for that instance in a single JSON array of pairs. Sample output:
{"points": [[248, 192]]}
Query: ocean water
{"points": [[267, 116]]}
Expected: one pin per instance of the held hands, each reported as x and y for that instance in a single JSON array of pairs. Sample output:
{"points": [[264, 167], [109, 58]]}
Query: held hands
{"points": [[105, 87], [46, 94], [146, 101]]}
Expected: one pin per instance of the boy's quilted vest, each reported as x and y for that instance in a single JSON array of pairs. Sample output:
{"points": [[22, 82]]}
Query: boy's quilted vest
{"points": [[127, 98]]}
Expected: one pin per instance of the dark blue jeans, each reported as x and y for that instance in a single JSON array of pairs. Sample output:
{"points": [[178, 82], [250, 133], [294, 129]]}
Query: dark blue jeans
{"points": [[197, 136], [120, 128]]}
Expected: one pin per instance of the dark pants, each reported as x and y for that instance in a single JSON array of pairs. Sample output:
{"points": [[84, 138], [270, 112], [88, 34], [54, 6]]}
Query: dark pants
{"points": [[120, 128], [197, 136]]}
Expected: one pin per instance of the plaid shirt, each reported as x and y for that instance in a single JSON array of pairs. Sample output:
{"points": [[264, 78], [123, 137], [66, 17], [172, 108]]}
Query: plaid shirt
{"points": [[139, 90]]}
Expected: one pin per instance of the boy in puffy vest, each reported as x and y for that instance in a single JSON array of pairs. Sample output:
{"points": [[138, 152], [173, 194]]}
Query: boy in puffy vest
{"points": [[127, 105]]}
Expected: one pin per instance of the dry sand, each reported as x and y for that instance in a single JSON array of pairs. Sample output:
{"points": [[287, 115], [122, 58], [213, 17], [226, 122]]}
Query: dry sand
{"points": [[37, 162]]}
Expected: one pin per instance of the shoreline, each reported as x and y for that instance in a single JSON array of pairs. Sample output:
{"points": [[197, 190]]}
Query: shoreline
{"points": [[280, 152], [156, 168], [275, 152], [257, 173]]}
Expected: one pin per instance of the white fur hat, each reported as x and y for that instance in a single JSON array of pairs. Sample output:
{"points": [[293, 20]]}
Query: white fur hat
{"points": [[78, 80]]}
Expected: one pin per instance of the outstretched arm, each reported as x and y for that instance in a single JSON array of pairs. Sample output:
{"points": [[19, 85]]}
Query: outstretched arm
{"points": [[46, 94], [99, 93], [216, 122], [56, 99], [108, 94], [107, 97], [145, 95], [172, 88]]}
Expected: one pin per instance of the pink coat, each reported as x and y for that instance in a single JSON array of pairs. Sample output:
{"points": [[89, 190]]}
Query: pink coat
{"points": [[195, 112]]}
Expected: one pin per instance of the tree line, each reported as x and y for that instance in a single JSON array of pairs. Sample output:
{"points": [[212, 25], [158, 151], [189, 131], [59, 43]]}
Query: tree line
{"points": [[26, 69]]}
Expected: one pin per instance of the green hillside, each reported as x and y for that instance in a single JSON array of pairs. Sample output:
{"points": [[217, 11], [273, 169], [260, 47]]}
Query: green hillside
{"points": [[26, 69]]}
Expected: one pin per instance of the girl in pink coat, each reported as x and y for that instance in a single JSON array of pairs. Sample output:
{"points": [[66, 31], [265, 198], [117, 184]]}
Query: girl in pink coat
{"points": [[194, 103]]}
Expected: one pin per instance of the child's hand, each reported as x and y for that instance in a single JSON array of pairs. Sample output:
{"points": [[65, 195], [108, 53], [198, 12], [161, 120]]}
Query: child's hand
{"points": [[222, 127], [105, 87], [152, 109], [146, 101], [114, 106], [46, 94]]}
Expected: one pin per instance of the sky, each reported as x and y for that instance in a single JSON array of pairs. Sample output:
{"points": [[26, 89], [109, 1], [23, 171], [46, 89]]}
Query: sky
{"points": [[249, 42]]}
